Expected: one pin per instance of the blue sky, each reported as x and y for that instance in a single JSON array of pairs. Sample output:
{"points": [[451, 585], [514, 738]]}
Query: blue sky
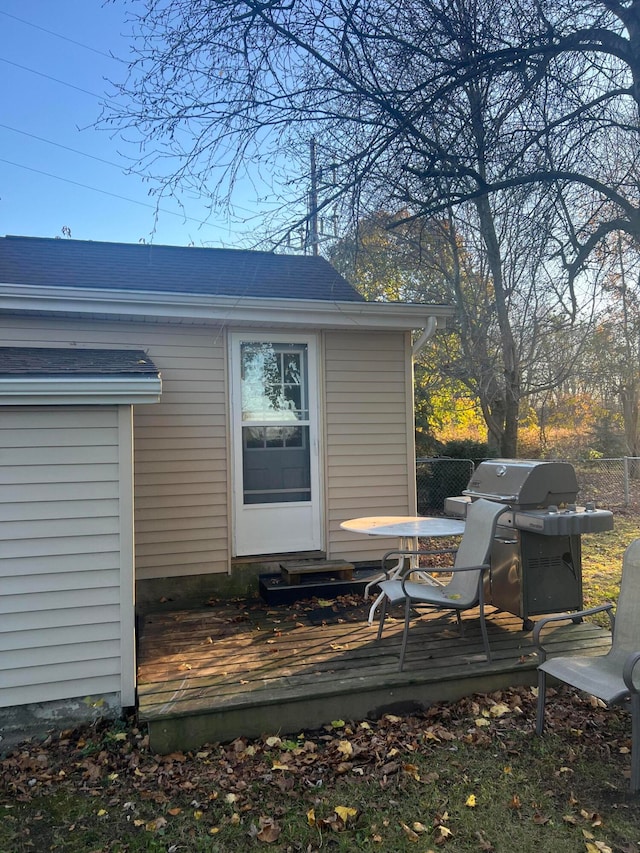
{"points": [[56, 170]]}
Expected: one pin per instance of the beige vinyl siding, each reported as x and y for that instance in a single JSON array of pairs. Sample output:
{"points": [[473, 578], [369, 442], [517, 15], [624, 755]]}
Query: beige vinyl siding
{"points": [[369, 435], [181, 465], [62, 568], [180, 444]]}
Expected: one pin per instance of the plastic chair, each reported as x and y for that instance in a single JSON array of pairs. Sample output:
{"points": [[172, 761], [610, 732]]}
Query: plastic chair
{"points": [[610, 677], [465, 590]]}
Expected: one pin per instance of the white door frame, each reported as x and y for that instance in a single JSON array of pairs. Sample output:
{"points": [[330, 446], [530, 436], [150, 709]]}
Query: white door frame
{"points": [[275, 527]]}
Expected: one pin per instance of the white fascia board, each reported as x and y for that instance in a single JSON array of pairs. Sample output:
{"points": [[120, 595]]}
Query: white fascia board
{"points": [[78, 390], [249, 310]]}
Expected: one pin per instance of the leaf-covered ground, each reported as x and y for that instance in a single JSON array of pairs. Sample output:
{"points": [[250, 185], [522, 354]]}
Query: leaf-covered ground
{"points": [[468, 776]]}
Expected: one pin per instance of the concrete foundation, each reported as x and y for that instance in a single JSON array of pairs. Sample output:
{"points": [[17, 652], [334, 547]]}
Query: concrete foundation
{"points": [[36, 721]]}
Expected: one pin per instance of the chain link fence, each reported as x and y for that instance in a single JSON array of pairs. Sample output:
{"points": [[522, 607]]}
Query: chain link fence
{"points": [[440, 478], [607, 482]]}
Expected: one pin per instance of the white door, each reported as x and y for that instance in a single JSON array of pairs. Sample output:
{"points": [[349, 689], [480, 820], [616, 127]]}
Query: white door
{"points": [[276, 478]]}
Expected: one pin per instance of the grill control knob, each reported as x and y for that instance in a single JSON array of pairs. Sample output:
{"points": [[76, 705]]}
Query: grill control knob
{"points": [[552, 508], [590, 506]]}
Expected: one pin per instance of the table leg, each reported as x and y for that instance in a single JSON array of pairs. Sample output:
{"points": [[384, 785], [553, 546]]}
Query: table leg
{"points": [[406, 544]]}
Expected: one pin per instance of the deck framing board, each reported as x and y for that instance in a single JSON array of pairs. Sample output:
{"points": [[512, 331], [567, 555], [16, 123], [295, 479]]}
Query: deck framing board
{"points": [[217, 674]]}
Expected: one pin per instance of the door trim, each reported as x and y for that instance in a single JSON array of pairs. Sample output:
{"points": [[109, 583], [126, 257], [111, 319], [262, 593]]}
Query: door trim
{"points": [[317, 531]]}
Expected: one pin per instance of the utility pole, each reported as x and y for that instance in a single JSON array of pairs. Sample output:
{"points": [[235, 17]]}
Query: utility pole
{"points": [[313, 201]]}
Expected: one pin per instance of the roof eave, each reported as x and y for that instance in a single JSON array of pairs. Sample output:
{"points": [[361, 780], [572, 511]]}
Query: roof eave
{"points": [[79, 390], [225, 309]]}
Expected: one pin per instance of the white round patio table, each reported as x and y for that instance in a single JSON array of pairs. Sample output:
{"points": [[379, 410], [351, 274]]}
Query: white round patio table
{"points": [[407, 529]]}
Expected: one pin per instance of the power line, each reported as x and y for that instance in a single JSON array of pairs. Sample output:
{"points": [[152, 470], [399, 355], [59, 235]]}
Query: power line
{"points": [[64, 147], [60, 36], [106, 192], [193, 193], [54, 79]]}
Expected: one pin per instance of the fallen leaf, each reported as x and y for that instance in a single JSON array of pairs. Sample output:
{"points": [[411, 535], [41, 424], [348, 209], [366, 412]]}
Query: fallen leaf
{"points": [[311, 817], [344, 812], [471, 801], [345, 747], [485, 844], [410, 833], [269, 830]]}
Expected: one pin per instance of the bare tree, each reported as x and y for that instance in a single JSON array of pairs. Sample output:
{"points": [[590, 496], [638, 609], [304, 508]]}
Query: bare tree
{"points": [[445, 108], [216, 86]]}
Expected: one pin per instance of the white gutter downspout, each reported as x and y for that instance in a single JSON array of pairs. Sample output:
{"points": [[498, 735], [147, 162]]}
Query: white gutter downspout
{"points": [[427, 333]]}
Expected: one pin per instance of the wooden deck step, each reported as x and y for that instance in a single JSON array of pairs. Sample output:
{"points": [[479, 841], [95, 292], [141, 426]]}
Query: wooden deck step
{"points": [[213, 675], [294, 572]]}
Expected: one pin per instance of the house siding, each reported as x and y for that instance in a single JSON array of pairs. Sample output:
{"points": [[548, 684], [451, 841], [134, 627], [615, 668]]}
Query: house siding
{"points": [[180, 444], [369, 436], [62, 565]]}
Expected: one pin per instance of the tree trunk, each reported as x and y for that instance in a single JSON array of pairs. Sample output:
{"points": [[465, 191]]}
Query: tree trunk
{"points": [[509, 353], [509, 405]]}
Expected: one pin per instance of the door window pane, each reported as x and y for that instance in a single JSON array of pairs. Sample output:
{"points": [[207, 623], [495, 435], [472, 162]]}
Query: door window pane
{"points": [[275, 453], [274, 381], [276, 465]]}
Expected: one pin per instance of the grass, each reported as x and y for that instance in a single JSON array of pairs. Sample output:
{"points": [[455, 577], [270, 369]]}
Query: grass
{"points": [[469, 776], [602, 558]]}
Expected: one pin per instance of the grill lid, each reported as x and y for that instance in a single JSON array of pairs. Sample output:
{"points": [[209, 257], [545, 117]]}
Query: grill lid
{"points": [[523, 483]]}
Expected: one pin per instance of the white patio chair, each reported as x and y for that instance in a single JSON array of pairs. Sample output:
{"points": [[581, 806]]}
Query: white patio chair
{"points": [[610, 677], [465, 590]]}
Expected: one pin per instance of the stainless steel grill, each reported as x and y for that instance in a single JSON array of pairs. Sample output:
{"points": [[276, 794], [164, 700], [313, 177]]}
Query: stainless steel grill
{"points": [[536, 561]]}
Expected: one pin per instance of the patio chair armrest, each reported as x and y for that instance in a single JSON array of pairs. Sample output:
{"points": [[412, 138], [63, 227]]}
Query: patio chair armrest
{"points": [[398, 552], [564, 617], [627, 671], [443, 570], [455, 569]]}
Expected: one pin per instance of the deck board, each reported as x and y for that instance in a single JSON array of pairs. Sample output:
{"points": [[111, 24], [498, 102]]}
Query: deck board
{"points": [[227, 671]]}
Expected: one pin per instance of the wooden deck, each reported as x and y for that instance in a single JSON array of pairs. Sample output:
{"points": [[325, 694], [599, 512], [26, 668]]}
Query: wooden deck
{"points": [[231, 670]]}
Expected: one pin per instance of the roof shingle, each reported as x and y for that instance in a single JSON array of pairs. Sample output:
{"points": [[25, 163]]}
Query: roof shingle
{"points": [[83, 264], [73, 361]]}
